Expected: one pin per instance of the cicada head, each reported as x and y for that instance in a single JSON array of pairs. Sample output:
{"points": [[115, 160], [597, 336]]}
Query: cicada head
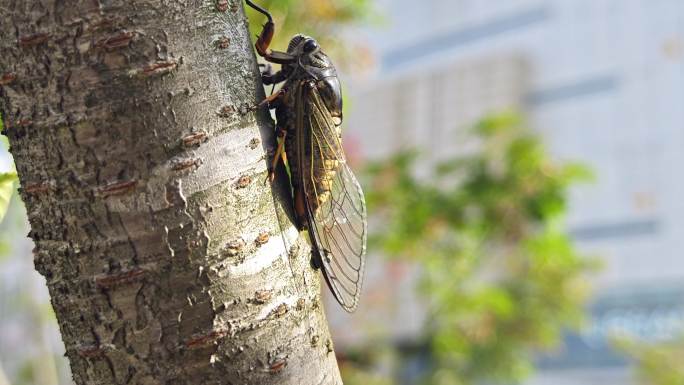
{"points": [[302, 44], [308, 52]]}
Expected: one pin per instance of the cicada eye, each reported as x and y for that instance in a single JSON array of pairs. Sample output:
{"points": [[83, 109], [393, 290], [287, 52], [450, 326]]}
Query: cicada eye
{"points": [[310, 46]]}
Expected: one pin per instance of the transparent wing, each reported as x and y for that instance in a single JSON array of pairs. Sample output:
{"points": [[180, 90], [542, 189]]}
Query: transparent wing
{"points": [[336, 206]]}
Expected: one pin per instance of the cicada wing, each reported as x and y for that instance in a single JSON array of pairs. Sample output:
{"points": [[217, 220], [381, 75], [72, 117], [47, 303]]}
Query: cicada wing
{"points": [[336, 206], [339, 233]]}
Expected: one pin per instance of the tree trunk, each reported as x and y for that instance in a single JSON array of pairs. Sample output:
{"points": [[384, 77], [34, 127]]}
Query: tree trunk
{"points": [[142, 166]]}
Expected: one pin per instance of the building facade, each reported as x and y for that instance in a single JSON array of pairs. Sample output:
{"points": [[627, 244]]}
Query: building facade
{"points": [[602, 82]]}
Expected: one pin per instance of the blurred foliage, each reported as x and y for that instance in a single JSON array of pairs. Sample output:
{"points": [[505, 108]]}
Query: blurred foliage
{"points": [[321, 19], [354, 375], [500, 278], [7, 186], [7, 180], [657, 364]]}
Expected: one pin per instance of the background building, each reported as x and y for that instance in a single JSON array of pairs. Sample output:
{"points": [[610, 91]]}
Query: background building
{"points": [[602, 81]]}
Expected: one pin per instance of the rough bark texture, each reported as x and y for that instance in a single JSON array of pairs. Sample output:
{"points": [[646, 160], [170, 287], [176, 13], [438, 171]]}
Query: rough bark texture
{"points": [[142, 168]]}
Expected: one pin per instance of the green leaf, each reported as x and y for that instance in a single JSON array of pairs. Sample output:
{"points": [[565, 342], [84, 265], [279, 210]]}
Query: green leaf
{"points": [[7, 186], [4, 143], [500, 275]]}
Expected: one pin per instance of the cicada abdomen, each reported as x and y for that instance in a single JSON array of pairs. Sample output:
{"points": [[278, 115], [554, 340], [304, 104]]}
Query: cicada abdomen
{"points": [[323, 167], [314, 152]]}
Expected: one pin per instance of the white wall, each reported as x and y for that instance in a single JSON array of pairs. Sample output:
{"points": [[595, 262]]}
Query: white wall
{"points": [[605, 87]]}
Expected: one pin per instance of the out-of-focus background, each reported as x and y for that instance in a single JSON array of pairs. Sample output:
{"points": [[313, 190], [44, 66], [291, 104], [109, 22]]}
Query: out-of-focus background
{"points": [[520, 161]]}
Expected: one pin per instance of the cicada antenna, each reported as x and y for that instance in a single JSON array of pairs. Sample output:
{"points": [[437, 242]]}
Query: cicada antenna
{"points": [[260, 10]]}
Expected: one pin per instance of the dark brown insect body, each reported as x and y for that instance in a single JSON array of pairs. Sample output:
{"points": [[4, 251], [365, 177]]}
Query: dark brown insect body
{"points": [[323, 164], [328, 200]]}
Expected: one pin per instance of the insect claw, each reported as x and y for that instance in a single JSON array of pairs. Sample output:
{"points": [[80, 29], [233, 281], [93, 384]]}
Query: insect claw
{"points": [[254, 107], [270, 178], [262, 104]]}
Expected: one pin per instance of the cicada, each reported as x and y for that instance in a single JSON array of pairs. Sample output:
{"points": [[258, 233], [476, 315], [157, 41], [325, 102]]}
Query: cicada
{"points": [[328, 200]]}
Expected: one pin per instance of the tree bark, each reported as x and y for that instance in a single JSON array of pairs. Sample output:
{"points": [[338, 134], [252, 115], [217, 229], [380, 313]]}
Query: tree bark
{"points": [[142, 166]]}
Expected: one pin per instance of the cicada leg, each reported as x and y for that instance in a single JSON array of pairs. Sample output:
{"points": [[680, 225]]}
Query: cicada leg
{"points": [[300, 209], [279, 154], [272, 99], [264, 40]]}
